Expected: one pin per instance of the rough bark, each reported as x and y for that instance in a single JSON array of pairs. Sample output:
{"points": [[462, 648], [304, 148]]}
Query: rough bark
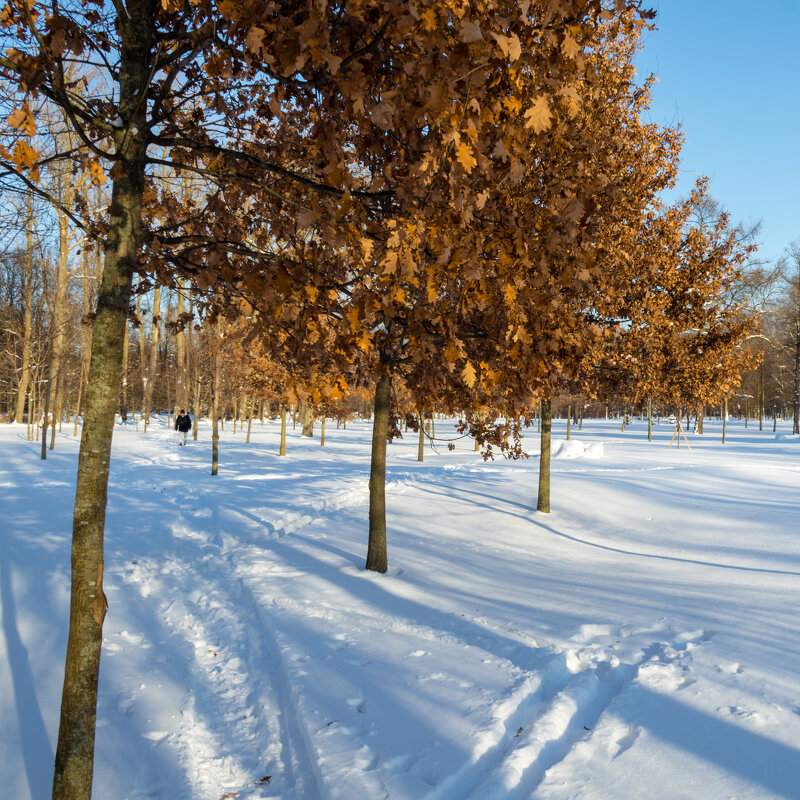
{"points": [[308, 422], [74, 764], [543, 503], [377, 559], [282, 451]]}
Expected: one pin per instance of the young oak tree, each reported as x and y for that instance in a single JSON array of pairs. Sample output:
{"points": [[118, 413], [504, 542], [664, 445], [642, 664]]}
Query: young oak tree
{"points": [[475, 97], [681, 341]]}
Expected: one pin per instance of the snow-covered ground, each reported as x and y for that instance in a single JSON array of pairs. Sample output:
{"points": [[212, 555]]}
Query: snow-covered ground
{"points": [[642, 640]]}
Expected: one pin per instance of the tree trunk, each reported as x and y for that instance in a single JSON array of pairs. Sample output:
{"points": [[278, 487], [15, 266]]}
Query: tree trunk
{"points": [[123, 411], [56, 409], [74, 764], [377, 560], [649, 419], [32, 411], [308, 422], [761, 397], [543, 503], [249, 419], [322, 432], [181, 391], [152, 367], [215, 386], [724, 418], [569, 419], [421, 445], [78, 404], [282, 451], [142, 359], [25, 375], [796, 388], [46, 407], [60, 322]]}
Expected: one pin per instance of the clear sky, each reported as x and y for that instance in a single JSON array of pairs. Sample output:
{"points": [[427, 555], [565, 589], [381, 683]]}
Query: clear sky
{"points": [[729, 72]]}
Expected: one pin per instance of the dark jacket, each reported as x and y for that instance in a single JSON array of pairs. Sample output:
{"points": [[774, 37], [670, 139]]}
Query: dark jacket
{"points": [[183, 423]]}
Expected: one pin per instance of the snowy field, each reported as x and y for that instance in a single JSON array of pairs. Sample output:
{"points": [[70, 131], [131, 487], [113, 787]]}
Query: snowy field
{"points": [[642, 641]]}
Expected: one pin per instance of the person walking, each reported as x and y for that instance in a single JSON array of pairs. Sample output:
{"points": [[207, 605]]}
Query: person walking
{"points": [[183, 424]]}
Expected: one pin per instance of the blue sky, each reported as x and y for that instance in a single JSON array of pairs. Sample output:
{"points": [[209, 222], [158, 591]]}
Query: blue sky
{"points": [[730, 73]]}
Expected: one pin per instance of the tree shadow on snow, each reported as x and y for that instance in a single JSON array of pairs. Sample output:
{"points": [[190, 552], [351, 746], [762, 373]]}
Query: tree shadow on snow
{"points": [[37, 754]]}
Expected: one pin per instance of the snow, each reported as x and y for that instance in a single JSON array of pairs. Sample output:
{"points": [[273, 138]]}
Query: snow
{"points": [[640, 641]]}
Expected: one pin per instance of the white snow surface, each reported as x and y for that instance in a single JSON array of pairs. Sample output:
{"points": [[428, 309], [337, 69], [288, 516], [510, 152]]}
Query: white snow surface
{"points": [[642, 640]]}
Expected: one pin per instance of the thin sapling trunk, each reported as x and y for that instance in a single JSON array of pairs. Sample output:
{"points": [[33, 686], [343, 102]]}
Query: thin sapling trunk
{"points": [[543, 503], [377, 559]]}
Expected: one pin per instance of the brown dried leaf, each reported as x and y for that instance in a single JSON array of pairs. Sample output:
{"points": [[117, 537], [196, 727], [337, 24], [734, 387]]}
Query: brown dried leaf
{"points": [[469, 375], [22, 119], [465, 157], [470, 32], [538, 116]]}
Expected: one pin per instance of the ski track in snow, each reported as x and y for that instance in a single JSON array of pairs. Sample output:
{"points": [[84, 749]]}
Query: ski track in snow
{"points": [[560, 711], [220, 625], [555, 705]]}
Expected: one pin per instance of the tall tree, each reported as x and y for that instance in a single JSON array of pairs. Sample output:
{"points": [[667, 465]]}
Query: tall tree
{"points": [[25, 368]]}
